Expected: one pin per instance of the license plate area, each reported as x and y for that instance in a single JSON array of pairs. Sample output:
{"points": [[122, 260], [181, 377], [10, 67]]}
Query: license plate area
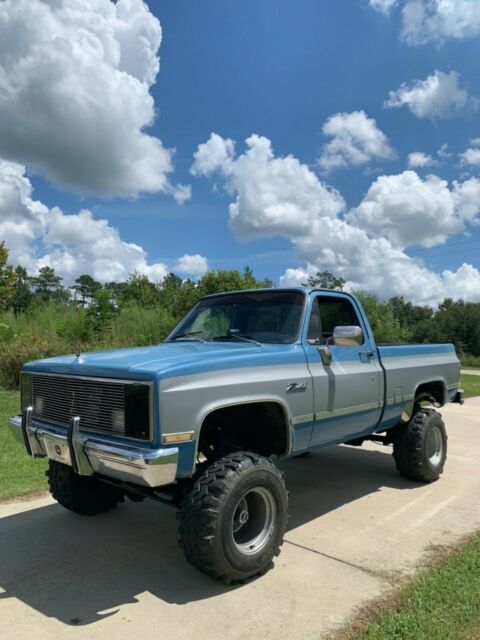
{"points": [[58, 451]]}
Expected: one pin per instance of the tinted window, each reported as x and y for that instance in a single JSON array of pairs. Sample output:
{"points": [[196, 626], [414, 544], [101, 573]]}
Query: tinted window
{"points": [[329, 313], [267, 316]]}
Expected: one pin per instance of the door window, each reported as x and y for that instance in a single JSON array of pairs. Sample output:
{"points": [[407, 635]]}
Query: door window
{"points": [[328, 313]]}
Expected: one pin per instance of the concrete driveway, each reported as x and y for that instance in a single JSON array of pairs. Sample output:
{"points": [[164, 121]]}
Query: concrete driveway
{"points": [[355, 525]]}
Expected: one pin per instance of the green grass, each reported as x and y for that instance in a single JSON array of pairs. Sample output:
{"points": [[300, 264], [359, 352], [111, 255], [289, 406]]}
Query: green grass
{"points": [[19, 473], [442, 603], [471, 385]]}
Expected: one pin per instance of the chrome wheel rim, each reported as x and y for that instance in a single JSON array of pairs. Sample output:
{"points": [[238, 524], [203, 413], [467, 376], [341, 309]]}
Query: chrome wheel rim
{"points": [[253, 520], [435, 446]]}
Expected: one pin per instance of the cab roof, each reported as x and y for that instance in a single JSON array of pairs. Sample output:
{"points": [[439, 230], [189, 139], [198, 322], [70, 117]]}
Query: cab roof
{"points": [[298, 289]]}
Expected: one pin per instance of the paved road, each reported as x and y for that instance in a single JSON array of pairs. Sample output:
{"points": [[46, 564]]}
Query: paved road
{"points": [[354, 524], [471, 372]]}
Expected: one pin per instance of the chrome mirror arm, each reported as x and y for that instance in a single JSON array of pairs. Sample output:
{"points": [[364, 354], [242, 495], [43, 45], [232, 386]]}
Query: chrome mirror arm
{"points": [[325, 354]]}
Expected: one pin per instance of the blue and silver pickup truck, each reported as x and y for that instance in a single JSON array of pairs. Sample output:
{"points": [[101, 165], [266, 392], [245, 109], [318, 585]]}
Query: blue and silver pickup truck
{"points": [[245, 379]]}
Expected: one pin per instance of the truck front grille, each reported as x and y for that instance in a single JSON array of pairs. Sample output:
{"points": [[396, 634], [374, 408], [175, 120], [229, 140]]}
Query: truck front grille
{"points": [[106, 406]]}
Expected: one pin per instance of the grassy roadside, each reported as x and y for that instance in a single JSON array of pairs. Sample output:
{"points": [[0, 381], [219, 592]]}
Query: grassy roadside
{"points": [[471, 385], [19, 474], [441, 603]]}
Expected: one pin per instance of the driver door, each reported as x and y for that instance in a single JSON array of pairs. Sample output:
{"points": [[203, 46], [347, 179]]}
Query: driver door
{"points": [[347, 392]]}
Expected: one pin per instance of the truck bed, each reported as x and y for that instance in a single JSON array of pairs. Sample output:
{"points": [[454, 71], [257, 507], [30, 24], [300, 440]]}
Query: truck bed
{"points": [[409, 366]]}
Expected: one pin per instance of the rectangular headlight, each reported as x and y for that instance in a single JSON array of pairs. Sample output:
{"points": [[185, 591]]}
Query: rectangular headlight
{"points": [[26, 391], [137, 411]]}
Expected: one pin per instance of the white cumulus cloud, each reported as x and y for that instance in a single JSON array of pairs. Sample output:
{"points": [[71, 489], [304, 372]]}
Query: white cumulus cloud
{"points": [[74, 244], [22, 219], [296, 277], [409, 210], [466, 197], [281, 196], [443, 152], [424, 21], [438, 96], [79, 243], [436, 20], [192, 265], [217, 154], [355, 140], [75, 100], [274, 196], [418, 159], [471, 156], [464, 283], [373, 263]]}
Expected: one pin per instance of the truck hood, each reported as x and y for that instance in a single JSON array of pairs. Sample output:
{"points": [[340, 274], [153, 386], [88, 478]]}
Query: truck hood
{"points": [[164, 360]]}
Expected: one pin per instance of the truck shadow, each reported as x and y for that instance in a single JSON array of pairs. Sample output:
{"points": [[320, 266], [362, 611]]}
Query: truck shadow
{"points": [[79, 570], [329, 478]]}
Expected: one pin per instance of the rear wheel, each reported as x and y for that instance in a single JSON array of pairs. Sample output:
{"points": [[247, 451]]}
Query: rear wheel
{"points": [[234, 516], [82, 494], [420, 447]]}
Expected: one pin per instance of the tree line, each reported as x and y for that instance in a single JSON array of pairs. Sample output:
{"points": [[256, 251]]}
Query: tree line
{"points": [[40, 316]]}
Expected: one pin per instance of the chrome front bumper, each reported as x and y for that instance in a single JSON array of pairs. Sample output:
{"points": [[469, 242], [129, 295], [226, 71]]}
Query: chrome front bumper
{"points": [[88, 455]]}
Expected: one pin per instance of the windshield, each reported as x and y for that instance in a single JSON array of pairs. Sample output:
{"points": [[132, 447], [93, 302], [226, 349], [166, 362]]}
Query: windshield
{"points": [[263, 316]]}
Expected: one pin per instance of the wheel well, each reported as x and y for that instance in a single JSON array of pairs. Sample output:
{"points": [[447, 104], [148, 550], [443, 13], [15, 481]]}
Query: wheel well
{"points": [[261, 427], [433, 392]]}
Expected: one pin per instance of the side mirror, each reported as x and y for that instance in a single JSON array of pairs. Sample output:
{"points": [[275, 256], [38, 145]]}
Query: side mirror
{"points": [[348, 336]]}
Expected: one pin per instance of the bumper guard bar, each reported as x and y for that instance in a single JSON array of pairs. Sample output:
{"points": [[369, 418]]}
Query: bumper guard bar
{"points": [[88, 455]]}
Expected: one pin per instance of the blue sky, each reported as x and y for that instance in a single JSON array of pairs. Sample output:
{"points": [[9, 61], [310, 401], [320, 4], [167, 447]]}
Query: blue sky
{"points": [[279, 69]]}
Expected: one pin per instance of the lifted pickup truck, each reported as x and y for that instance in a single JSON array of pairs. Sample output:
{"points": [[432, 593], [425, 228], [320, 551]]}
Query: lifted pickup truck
{"points": [[246, 378]]}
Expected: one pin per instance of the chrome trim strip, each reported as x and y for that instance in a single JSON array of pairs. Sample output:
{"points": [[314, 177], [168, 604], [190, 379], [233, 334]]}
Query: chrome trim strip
{"points": [[91, 378], [146, 467], [322, 415], [308, 417]]}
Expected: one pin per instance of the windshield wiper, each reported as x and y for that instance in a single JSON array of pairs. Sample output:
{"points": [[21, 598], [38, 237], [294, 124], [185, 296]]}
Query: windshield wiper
{"points": [[233, 333], [189, 335]]}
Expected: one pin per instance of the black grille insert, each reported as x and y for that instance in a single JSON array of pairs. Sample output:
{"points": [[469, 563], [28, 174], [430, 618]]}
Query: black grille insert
{"points": [[102, 405]]}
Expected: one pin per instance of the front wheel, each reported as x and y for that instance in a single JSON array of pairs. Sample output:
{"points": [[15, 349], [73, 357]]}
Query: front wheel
{"points": [[82, 494], [420, 447], [233, 518]]}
